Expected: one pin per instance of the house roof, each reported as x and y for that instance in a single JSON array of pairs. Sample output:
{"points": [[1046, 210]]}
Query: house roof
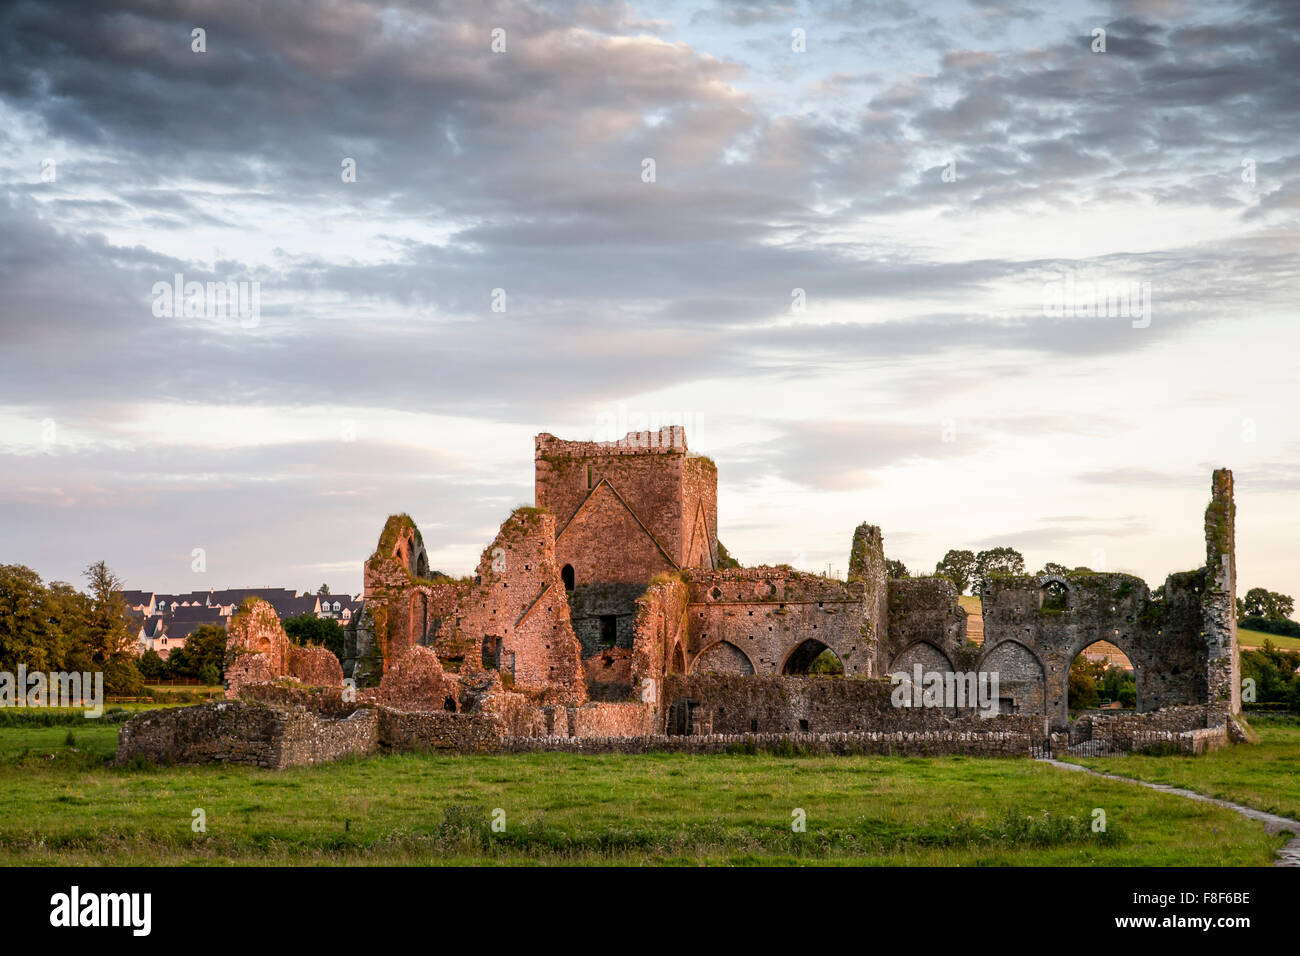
{"points": [[240, 595], [294, 606], [200, 613]]}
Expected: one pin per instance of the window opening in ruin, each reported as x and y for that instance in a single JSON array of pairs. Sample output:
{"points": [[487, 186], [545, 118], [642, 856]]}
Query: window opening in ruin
{"points": [[1054, 596], [449, 704], [566, 574], [589, 484], [608, 630], [491, 652]]}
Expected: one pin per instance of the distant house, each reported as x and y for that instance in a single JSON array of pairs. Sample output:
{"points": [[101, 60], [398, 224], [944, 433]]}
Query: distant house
{"points": [[337, 607], [172, 624], [139, 601], [165, 621], [166, 603], [229, 599], [287, 607]]}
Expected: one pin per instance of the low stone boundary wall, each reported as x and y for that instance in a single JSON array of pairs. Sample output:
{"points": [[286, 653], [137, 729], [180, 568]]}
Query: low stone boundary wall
{"points": [[280, 736], [918, 744], [1158, 742], [1130, 731], [245, 732], [439, 732]]}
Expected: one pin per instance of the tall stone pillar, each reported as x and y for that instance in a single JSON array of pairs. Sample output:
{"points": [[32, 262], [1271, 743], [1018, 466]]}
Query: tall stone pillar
{"points": [[1219, 602]]}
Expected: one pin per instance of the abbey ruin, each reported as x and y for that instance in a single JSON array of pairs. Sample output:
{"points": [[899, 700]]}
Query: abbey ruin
{"points": [[604, 618]]}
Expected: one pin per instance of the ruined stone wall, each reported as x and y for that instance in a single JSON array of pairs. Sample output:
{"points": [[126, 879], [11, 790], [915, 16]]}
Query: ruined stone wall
{"points": [[391, 576], [1183, 648], [729, 704], [1166, 649], [699, 513], [258, 651], [619, 506], [1121, 730], [609, 674], [1223, 660], [257, 648], [932, 743], [245, 732], [519, 605], [311, 739], [315, 666], [513, 615], [753, 620], [438, 732], [591, 604], [867, 565], [416, 681], [612, 720], [926, 626], [661, 634], [323, 701]]}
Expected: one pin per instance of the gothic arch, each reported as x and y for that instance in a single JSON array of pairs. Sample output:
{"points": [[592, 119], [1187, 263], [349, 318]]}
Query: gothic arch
{"points": [[722, 657]]}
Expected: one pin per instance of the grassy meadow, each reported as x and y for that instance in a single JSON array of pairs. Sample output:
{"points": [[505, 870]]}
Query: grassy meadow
{"points": [[65, 804], [1265, 776]]}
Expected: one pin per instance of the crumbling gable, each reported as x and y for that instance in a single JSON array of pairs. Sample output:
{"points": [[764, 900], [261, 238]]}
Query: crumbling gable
{"points": [[627, 510], [258, 651], [512, 616], [517, 611]]}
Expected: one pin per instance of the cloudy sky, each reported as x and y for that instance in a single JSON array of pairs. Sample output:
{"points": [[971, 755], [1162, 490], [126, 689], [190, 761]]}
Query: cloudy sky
{"points": [[858, 269]]}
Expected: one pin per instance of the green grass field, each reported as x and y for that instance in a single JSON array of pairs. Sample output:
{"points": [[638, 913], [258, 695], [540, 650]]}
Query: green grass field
{"points": [[1266, 776], [65, 805], [1247, 638]]}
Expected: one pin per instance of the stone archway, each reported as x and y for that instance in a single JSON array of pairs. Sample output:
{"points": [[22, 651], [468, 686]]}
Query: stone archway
{"points": [[723, 657], [924, 653], [677, 660], [1022, 679], [1106, 663], [811, 656]]}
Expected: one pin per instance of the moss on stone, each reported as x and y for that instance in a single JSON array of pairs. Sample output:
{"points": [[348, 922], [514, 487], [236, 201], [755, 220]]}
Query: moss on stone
{"points": [[395, 527]]}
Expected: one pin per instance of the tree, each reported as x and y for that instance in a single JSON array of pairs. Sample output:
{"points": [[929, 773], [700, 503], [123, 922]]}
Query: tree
{"points": [[1084, 676], [1052, 568], [896, 570], [109, 638], [1274, 673], [203, 655], [33, 622], [59, 628], [1119, 684], [323, 589], [725, 560], [958, 567], [308, 630], [152, 666], [108, 631], [1270, 605], [826, 664], [997, 561]]}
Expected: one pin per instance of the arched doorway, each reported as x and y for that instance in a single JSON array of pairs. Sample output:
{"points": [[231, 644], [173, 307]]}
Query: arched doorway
{"points": [[814, 658], [566, 575], [1102, 677]]}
